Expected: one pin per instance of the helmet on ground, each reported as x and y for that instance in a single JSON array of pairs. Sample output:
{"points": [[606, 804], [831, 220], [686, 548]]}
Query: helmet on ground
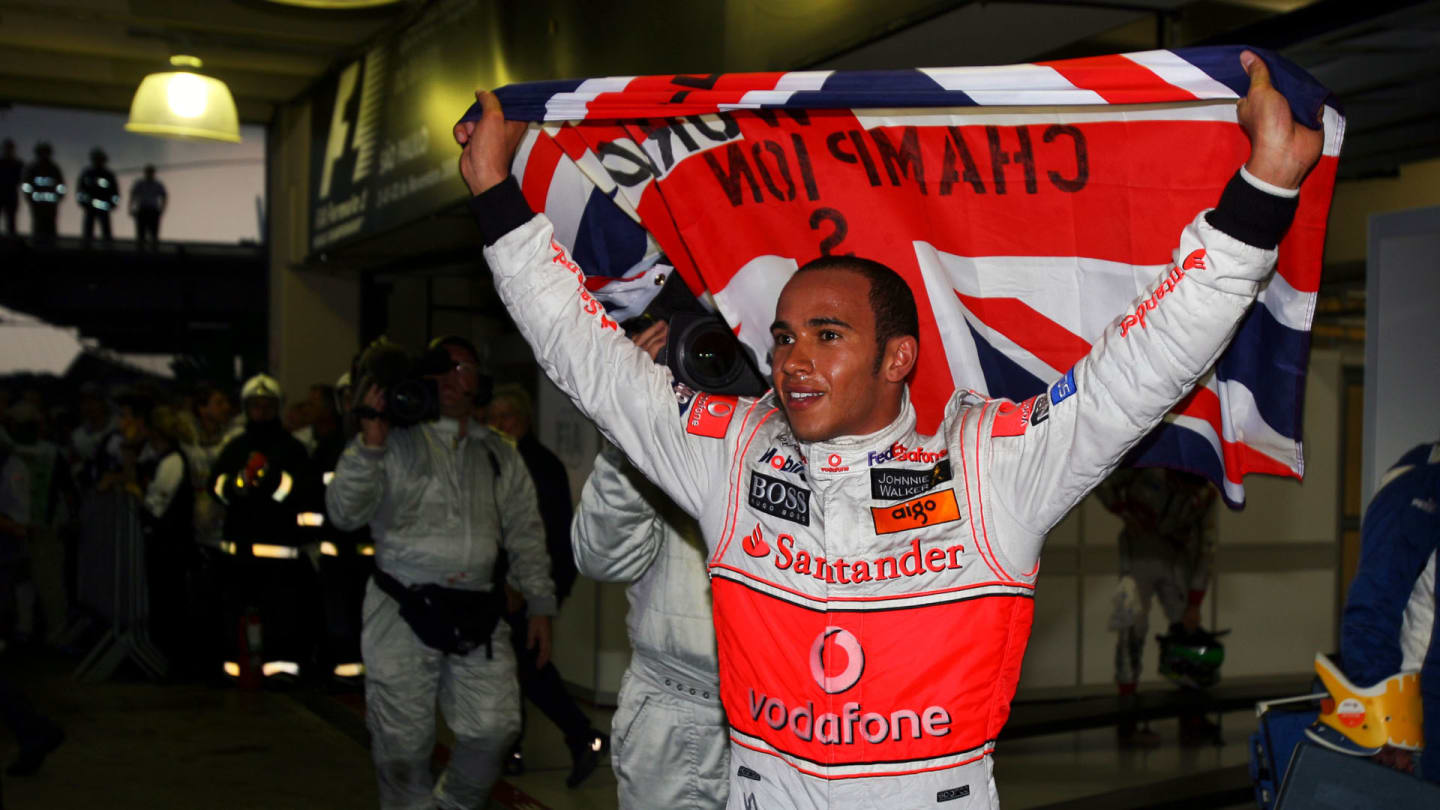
{"points": [[1191, 659]]}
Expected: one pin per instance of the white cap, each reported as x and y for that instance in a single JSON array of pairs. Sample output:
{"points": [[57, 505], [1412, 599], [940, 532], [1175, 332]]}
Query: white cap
{"points": [[262, 385]]}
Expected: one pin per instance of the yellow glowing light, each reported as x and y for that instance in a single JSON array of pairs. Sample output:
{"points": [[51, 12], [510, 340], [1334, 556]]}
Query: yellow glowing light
{"points": [[310, 519], [349, 670], [328, 477], [366, 549], [274, 552], [186, 94], [183, 104], [232, 669], [328, 549], [278, 667]]}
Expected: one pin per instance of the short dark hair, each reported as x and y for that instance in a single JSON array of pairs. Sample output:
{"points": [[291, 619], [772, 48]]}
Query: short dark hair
{"points": [[890, 298]]}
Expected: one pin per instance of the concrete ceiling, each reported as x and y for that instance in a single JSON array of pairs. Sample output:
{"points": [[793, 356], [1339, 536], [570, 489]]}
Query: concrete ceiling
{"points": [[93, 53], [1381, 57]]}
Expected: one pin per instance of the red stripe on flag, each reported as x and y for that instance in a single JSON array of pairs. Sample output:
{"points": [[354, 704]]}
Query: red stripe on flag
{"points": [[1118, 80], [540, 170], [572, 142], [1240, 458], [1057, 346]]}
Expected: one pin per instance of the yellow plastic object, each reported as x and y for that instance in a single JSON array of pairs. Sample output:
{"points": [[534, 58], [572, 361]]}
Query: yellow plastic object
{"points": [[1387, 713], [182, 104]]}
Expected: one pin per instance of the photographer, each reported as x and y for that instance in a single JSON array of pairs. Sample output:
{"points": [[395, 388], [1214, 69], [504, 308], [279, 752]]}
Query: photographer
{"points": [[442, 498]]}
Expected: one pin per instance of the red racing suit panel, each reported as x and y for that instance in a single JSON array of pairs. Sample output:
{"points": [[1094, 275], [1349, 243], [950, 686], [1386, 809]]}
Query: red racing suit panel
{"points": [[873, 594]]}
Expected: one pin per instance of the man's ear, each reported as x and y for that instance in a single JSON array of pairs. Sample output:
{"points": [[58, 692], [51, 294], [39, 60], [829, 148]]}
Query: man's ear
{"points": [[900, 356]]}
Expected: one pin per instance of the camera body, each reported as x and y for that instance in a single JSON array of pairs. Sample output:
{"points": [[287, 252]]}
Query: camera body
{"points": [[411, 396], [701, 350]]}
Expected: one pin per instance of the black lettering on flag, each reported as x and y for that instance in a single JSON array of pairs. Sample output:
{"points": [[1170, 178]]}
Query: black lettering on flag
{"points": [[705, 82], [1025, 156], [835, 143], [730, 179], [782, 167], [841, 229], [1082, 158], [907, 156], [998, 158], [643, 167], [659, 133], [955, 148], [728, 127], [807, 172]]}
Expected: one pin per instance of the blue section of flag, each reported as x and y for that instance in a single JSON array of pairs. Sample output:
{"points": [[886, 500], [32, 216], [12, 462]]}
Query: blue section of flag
{"points": [[879, 88], [1003, 376], [1269, 359], [1180, 449], [608, 243], [1307, 97], [526, 102]]}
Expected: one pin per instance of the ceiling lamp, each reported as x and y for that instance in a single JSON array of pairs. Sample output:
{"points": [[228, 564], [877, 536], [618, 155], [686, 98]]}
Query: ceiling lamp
{"points": [[184, 104]]}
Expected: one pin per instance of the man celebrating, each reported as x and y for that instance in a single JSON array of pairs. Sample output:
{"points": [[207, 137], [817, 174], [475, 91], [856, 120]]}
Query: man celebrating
{"points": [[872, 585]]}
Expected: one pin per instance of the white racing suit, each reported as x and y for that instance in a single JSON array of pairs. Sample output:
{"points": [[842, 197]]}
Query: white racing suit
{"points": [[439, 514], [1167, 549], [669, 745], [873, 594]]}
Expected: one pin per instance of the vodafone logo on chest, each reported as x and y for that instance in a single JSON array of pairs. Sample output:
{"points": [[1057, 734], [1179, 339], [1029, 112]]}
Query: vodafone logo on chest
{"points": [[836, 661]]}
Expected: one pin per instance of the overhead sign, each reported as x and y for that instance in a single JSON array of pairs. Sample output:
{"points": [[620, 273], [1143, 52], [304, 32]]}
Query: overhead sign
{"points": [[382, 154]]}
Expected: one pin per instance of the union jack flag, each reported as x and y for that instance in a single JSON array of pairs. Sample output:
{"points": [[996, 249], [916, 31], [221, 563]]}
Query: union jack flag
{"points": [[1029, 206]]}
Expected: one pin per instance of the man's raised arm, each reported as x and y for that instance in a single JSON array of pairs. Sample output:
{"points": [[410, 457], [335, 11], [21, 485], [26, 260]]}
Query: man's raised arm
{"points": [[580, 347], [1173, 333]]}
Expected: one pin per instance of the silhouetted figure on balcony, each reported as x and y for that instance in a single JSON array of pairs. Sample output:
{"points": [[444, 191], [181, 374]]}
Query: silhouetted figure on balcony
{"points": [[98, 194], [43, 185], [10, 168], [147, 203]]}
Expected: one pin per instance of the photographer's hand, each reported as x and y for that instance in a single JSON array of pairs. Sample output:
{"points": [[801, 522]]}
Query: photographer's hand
{"points": [[652, 340], [374, 432]]}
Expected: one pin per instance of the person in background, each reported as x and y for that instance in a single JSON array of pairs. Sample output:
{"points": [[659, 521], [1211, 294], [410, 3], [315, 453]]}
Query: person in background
{"points": [[262, 477], [442, 498], [97, 426], [98, 193], [1166, 552], [10, 168], [43, 185], [171, 557], [510, 411], [1390, 623], [52, 498], [147, 203], [670, 741]]}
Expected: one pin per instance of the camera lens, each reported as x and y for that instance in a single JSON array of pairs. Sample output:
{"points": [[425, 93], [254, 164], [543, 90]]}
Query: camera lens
{"points": [[408, 401], [711, 355]]}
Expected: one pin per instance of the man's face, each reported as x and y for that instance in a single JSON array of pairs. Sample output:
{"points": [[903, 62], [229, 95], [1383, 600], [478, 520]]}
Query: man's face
{"points": [[262, 409], [823, 366], [506, 418], [216, 409], [457, 386]]}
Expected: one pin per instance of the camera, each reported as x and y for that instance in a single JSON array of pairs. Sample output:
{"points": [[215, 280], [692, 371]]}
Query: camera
{"points": [[411, 396], [701, 350]]}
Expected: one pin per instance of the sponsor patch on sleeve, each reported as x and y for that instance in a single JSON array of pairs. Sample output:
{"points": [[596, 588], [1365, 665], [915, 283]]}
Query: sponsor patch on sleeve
{"points": [[926, 510], [1013, 418], [1063, 388], [710, 415]]}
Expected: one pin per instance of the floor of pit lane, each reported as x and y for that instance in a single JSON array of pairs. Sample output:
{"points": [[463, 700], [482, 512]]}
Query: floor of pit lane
{"points": [[131, 743]]}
